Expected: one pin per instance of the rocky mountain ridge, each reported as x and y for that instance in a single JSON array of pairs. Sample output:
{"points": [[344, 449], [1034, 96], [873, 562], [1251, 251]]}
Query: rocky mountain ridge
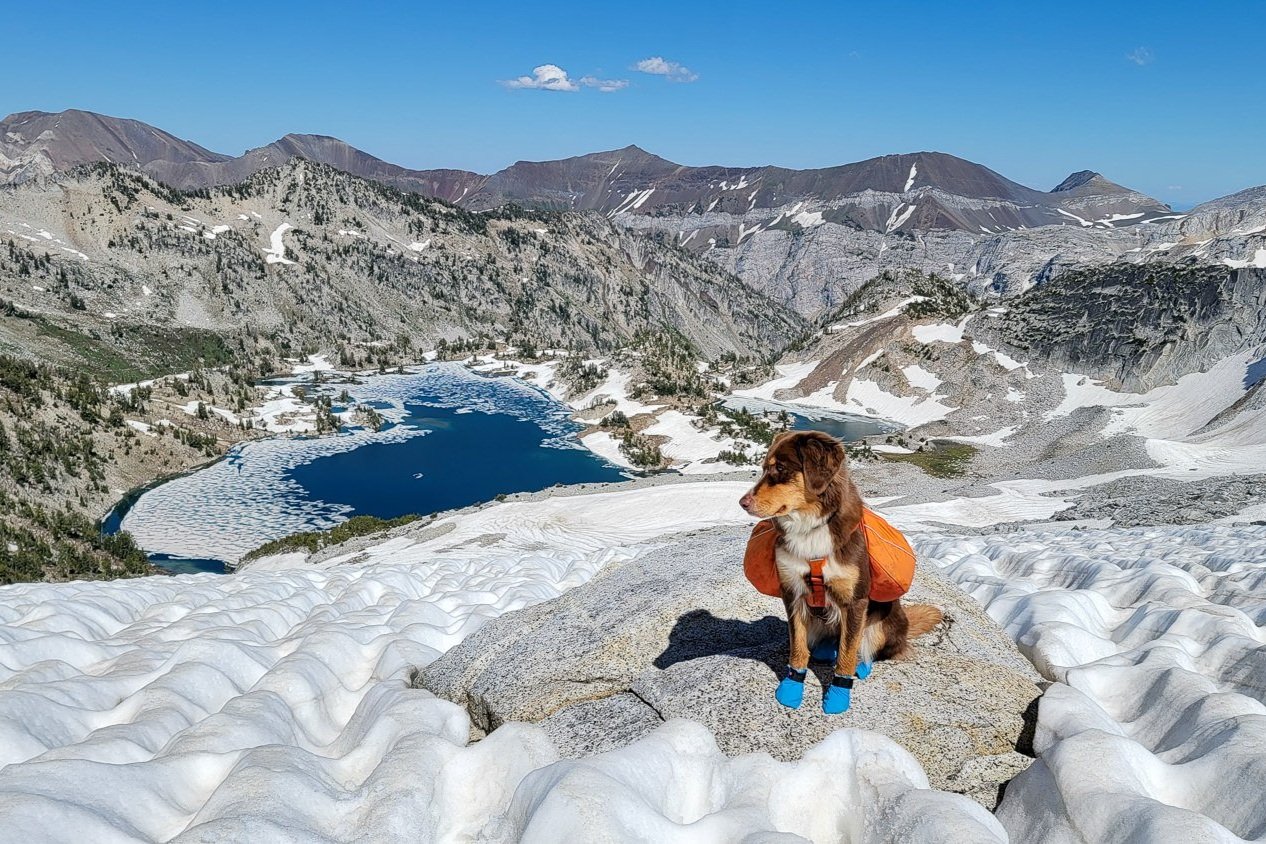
{"points": [[314, 258], [966, 196], [804, 237]]}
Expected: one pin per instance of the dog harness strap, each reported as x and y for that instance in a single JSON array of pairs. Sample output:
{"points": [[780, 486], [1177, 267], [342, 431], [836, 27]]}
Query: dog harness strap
{"points": [[817, 585]]}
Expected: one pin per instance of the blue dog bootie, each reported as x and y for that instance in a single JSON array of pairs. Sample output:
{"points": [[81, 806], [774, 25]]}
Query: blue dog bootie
{"points": [[838, 695], [864, 669], [790, 691], [825, 651]]}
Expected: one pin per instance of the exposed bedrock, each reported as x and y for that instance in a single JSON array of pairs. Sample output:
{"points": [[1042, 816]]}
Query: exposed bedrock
{"points": [[679, 633]]}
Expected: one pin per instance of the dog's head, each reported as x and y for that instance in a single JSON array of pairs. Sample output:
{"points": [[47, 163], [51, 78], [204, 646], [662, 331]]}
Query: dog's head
{"points": [[798, 470]]}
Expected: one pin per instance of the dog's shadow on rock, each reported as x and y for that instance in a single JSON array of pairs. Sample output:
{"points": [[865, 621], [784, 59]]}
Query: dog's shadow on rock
{"points": [[699, 633]]}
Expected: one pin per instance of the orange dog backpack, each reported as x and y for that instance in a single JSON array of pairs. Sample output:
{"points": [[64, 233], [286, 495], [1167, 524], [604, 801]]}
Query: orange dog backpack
{"points": [[891, 558]]}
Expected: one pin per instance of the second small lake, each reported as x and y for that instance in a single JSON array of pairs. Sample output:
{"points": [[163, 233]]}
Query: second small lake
{"points": [[848, 427]]}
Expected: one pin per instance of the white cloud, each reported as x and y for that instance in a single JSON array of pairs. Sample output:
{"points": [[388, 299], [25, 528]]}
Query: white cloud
{"points": [[551, 77], [1140, 56], [659, 66], [604, 85], [546, 77]]}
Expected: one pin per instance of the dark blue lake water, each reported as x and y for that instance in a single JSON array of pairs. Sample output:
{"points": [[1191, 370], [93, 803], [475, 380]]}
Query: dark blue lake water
{"points": [[455, 439]]}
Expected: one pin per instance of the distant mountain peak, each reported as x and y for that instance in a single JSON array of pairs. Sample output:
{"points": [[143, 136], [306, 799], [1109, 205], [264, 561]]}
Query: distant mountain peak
{"points": [[632, 152], [1076, 180], [308, 136]]}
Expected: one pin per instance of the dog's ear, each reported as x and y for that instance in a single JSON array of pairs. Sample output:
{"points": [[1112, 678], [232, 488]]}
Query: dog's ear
{"points": [[821, 456]]}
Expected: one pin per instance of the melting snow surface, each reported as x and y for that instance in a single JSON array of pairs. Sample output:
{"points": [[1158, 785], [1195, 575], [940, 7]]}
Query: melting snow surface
{"points": [[921, 378], [997, 439], [1082, 220], [607, 447], [613, 390], [1005, 361], [1173, 419], [895, 310], [688, 447], [808, 219], [316, 363], [272, 704], [898, 218], [1155, 639]]}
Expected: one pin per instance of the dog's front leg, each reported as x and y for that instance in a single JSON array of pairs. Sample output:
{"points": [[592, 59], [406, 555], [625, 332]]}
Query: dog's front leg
{"points": [[852, 618], [790, 691]]}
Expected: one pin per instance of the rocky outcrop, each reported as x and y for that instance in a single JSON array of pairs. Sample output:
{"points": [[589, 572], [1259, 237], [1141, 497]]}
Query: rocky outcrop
{"points": [[679, 633], [1138, 325]]}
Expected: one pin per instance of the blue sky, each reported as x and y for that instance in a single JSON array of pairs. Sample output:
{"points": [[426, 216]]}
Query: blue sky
{"points": [[1165, 97]]}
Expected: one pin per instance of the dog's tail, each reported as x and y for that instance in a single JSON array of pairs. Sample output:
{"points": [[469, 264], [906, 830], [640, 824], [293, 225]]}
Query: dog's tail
{"points": [[922, 618]]}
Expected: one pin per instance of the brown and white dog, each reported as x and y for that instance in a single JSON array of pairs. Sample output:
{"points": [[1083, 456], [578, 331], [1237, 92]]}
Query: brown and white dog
{"points": [[805, 487]]}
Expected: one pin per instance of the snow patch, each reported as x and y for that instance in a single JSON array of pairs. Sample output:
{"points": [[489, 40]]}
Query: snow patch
{"points": [[894, 311], [808, 219], [870, 399], [689, 447], [1258, 260], [276, 253], [920, 378], [788, 376], [940, 332]]}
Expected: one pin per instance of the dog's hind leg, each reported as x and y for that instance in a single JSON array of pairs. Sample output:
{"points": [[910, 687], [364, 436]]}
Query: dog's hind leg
{"points": [[872, 642]]}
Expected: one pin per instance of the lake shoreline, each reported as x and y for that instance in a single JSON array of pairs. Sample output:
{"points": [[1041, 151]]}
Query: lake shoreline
{"points": [[439, 420]]}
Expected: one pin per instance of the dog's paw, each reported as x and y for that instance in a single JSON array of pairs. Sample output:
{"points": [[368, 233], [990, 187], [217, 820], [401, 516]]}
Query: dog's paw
{"points": [[838, 695], [790, 691], [864, 669], [824, 651]]}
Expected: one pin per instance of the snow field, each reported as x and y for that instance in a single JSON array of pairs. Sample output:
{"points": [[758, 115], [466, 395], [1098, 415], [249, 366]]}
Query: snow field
{"points": [[1172, 418], [1156, 640], [272, 705]]}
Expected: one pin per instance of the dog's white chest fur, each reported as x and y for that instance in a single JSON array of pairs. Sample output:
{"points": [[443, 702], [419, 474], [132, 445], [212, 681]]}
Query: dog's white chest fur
{"points": [[804, 540]]}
